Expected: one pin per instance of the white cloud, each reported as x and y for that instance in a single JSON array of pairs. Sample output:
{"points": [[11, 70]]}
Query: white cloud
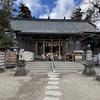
{"points": [[35, 6], [85, 5], [62, 8]]}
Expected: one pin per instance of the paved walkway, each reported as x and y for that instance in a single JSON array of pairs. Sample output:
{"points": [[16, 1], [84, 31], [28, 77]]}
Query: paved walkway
{"points": [[49, 86], [52, 89]]}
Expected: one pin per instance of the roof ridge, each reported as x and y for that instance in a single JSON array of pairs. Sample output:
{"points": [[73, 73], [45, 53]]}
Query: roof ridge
{"points": [[42, 19]]}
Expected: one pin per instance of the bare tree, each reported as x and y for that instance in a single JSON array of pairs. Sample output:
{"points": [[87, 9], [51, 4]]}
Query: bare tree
{"points": [[96, 4]]}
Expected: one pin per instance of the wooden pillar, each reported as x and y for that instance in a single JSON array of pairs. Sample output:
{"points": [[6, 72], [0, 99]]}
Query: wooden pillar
{"points": [[59, 49], [43, 45], [51, 45], [24, 43], [36, 48], [66, 46], [66, 49], [74, 45], [81, 45], [18, 40]]}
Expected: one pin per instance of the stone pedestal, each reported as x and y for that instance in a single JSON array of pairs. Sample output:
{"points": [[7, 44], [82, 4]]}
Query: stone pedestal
{"points": [[97, 77], [2, 69], [21, 68], [88, 69]]}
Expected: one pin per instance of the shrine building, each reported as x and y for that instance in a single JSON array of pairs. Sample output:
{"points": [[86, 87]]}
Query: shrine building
{"points": [[56, 36]]}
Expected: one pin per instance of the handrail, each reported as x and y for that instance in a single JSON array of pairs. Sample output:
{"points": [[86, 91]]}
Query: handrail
{"points": [[52, 64]]}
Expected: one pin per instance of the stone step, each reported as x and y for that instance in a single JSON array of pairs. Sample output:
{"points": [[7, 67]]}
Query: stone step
{"points": [[39, 65], [59, 66], [40, 71], [37, 68], [69, 67], [57, 70], [68, 63], [56, 63], [70, 70], [56, 67]]}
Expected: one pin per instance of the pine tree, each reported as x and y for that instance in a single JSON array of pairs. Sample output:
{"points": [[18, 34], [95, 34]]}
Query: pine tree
{"points": [[6, 32], [9, 4], [24, 11], [77, 14]]}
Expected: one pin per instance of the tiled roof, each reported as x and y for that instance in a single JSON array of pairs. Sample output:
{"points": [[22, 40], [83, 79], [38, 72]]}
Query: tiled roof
{"points": [[52, 26]]}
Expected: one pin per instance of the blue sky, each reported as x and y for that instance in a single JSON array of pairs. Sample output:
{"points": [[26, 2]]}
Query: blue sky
{"points": [[56, 9], [53, 8]]}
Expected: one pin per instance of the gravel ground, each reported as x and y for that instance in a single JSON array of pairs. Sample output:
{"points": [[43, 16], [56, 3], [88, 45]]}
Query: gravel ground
{"points": [[30, 87], [73, 86]]}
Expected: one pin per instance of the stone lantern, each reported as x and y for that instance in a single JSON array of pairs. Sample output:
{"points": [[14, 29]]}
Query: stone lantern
{"points": [[20, 63], [89, 65]]}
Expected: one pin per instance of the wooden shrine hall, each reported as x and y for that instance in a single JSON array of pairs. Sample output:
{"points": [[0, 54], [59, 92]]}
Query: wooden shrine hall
{"points": [[56, 36]]}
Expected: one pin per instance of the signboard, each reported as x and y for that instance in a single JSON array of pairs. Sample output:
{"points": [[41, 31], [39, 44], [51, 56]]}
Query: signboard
{"points": [[28, 56], [78, 57], [11, 57]]}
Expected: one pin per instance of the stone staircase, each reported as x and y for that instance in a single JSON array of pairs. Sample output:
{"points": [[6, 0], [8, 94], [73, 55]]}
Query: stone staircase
{"points": [[43, 66], [68, 66], [38, 66]]}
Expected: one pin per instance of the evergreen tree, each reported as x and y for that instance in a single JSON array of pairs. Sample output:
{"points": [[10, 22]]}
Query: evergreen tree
{"points": [[9, 4], [6, 32], [89, 14], [77, 14], [24, 11]]}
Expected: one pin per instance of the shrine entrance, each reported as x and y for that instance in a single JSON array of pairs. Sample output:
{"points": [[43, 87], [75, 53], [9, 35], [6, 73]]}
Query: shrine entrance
{"points": [[54, 48], [52, 45]]}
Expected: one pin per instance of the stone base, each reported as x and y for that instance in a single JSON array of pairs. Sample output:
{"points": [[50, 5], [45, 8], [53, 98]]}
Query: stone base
{"points": [[1, 70], [89, 71], [21, 71], [89, 68], [97, 77]]}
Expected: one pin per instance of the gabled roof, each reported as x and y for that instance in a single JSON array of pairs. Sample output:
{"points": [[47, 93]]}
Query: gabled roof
{"points": [[54, 26]]}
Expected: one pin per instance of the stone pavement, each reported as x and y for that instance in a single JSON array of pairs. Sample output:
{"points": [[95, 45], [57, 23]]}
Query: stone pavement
{"points": [[52, 89], [49, 86]]}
